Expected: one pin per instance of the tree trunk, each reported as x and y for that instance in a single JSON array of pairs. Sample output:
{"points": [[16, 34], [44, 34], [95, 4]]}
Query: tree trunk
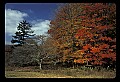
{"points": [[87, 62], [40, 64]]}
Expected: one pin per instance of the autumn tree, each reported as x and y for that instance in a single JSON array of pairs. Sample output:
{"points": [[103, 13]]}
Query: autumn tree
{"points": [[64, 27], [86, 32], [98, 33]]}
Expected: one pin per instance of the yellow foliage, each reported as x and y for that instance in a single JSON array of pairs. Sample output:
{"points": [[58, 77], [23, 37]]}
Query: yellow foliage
{"points": [[77, 44]]}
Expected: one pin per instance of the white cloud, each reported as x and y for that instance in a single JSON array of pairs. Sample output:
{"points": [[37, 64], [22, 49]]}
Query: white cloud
{"points": [[40, 26], [12, 18]]}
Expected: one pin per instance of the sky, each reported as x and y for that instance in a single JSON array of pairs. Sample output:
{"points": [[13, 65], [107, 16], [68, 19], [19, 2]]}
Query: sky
{"points": [[38, 15]]}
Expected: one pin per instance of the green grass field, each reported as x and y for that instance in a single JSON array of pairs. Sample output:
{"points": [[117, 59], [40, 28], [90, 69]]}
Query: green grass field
{"points": [[62, 73]]}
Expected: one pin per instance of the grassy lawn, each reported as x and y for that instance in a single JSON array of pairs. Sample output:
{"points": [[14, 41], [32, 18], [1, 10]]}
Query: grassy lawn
{"points": [[62, 73]]}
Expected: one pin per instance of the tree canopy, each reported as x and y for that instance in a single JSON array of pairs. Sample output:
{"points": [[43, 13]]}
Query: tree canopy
{"points": [[86, 32]]}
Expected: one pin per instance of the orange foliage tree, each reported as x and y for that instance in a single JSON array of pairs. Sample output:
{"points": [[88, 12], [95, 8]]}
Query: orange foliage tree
{"points": [[86, 31], [64, 27], [98, 33]]}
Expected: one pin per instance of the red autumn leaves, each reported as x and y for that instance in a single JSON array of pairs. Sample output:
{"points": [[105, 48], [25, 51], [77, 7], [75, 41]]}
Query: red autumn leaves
{"points": [[83, 29], [94, 28]]}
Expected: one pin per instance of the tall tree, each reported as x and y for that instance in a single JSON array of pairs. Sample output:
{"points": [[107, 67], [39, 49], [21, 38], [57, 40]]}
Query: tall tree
{"points": [[20, 54], [86, 32], [98, 33], [24, 31], [64, 26]]}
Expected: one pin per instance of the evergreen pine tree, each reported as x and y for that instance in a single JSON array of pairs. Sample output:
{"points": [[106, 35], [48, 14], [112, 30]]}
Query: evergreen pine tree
{"points": [[24, 32]]}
